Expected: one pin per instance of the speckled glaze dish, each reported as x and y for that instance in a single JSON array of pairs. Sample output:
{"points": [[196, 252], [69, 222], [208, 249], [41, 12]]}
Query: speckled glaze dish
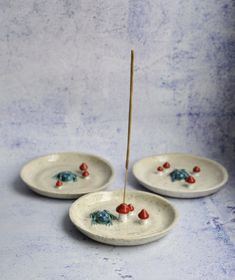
{"points": [[162, 217], [39, 174], [212, 177]]}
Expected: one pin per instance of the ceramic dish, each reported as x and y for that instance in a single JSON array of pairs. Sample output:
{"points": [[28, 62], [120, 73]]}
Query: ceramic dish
{"points": [[212, 177], [39, 174], [162, 217]]}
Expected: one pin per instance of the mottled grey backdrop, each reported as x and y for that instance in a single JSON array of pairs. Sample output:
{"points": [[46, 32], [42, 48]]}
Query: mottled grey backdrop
{"points": [[64, 85]]}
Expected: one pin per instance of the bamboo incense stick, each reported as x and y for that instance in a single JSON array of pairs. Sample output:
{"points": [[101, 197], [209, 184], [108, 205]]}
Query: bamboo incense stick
{"points": [[129, 124]]}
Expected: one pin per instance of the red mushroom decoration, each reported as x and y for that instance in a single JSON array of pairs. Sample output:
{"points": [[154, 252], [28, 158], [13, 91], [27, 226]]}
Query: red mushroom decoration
{"points": [[196, 170], [131, 208], [160, 170], [59, 184], [143, 215], [85, 174], [190, 181], [83, 166], [166, 165], [123, 210]]}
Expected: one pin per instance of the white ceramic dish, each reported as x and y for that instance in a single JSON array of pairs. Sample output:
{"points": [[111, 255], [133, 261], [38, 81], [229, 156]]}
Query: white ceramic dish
{"points": [[212, 177], [162, 218], [38, 174]]}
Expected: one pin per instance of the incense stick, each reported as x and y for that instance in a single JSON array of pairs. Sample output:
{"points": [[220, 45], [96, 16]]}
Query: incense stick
{"points": [[129, 124]]}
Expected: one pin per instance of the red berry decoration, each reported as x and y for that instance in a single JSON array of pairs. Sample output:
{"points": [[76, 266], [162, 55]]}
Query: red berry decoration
{"points": [[166, 165], [59, 183], [85, 174], [160, 168], [196, 169], [83, 166], [190, 180]]}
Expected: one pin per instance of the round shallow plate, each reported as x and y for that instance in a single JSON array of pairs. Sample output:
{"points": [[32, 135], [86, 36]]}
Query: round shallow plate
{"points": [[39, 174], [162, 218], [211, 178]]}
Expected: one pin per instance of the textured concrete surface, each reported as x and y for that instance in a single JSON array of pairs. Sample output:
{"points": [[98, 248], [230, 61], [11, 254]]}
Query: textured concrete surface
{"points": [[64, 85]]}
